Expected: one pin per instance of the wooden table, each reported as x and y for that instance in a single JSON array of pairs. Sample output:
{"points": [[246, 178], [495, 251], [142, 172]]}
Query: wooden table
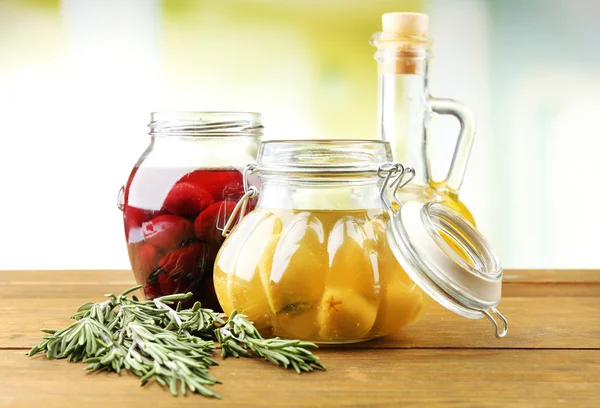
{"points": [[551, 355]]}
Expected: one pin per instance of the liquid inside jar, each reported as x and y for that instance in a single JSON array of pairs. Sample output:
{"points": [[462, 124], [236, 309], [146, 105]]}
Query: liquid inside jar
{"points": [[436, 193], [173, 220], [324, 276]]}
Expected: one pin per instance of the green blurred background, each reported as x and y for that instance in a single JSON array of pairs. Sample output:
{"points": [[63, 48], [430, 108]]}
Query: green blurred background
{"points": [[79, 78]]}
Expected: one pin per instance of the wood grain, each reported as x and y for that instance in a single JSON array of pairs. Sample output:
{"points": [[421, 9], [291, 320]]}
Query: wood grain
{"points": [[551, 356], [533, 323], [125, 276], [551, 276], [568, 319], [356, 378]]}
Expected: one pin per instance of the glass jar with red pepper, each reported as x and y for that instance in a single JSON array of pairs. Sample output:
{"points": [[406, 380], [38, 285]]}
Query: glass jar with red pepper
{"points": [[179, 196]]}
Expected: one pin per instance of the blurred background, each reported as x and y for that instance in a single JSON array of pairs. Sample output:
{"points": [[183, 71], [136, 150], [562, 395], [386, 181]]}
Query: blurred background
{"points": [[78, 80]]}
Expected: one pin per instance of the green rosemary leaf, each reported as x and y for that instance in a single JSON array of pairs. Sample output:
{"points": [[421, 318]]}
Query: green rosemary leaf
{"points": [[86, 306], [183, 386], [239, 329], [173, 386], [128, 291], [49, 331], [296, 366], [36, 349]]}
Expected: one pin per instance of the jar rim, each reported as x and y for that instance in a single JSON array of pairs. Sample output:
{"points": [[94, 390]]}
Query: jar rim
{"points": [[328, 156], [205, 123], [325, 141], [187, 113]]}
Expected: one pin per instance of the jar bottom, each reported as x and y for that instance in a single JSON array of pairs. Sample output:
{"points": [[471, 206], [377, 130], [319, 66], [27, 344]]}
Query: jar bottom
{"points": [[340, 342], [268, 332]]}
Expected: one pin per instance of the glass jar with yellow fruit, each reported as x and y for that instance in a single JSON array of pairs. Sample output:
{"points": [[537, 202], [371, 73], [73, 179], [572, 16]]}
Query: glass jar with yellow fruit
{"points": [[328, 256]]}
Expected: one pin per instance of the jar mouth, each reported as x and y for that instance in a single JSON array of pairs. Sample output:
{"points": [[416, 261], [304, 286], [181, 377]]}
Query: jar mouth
{"points": [[483, 262], [465, 277], [190, 123], [329, 156]]}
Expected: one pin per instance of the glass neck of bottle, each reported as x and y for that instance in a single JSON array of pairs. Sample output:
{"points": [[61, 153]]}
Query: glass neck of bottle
{"points": [[403, 106]]}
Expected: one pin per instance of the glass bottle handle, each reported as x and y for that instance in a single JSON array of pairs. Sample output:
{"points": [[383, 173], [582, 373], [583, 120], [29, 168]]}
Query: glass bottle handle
{"points": [[458, 166]]}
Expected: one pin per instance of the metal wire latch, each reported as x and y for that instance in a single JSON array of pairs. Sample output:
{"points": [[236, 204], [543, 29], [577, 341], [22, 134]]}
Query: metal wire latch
{"points": [[241, 206]]}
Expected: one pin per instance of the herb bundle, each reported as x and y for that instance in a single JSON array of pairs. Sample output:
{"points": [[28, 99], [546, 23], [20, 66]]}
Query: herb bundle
{"points": [[172, 346]]}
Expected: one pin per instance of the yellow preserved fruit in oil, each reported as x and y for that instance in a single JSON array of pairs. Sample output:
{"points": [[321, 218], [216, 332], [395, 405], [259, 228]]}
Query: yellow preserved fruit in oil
{"points": [[325, 276]]}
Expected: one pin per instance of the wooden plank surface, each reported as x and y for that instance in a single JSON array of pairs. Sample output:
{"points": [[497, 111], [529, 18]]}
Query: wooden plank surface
{"points": [[551, 276], [32, 300], [533, 323], [125, 276], [550, 357], [362, 377]]}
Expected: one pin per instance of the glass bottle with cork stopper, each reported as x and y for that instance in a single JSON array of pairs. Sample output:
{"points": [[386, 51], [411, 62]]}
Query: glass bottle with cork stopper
{"points": [[405, 107]]}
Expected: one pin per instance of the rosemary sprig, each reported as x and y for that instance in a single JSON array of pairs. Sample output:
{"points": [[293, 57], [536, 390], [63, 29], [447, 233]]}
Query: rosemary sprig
{"points": [[239, 337], [172, 346], [125, 333]]}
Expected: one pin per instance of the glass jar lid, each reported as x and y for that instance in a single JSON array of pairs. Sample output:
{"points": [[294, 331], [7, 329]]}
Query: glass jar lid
{"points": [[442, 252]]}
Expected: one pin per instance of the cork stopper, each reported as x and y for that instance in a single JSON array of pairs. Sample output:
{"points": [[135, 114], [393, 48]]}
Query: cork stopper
{"points": [[409, 24], [402, 43]]}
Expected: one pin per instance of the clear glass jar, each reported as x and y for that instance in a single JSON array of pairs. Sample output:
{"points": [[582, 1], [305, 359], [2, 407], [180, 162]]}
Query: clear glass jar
{"points": [[315, 260], [179, 195]]}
